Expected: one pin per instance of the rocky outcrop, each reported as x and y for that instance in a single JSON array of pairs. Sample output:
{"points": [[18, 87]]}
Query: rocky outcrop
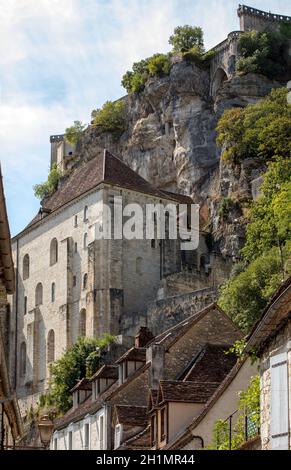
{"points": [[170, 141]]}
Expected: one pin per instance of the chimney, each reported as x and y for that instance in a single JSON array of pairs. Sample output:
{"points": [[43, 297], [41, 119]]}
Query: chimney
{"points": [[156, 355], [143, 337]]}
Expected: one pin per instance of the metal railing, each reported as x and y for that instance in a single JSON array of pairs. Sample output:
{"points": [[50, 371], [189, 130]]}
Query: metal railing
{"points": [[237, 429]]}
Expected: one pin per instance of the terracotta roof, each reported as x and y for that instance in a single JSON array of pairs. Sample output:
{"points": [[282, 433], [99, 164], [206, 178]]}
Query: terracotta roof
{"points": [[210, 365], [186, 392], [132, 415], [277, 311], [139, 442], [133, 354], [83, 384], [106, 372]]}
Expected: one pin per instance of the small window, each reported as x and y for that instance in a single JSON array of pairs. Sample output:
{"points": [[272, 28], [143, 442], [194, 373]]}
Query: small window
{"points": [[22, 359], [163, 424], [85, 242], [76, 221], [25, 305], [55, 444], [53, 293], [87, 436], [85, 281], [38, 294], [74, 281], [82, 323], [53, 252], [76, 247], [153, 243], [117, 439], [70, 440], [25, 267], [86, 214], [50, 346]]}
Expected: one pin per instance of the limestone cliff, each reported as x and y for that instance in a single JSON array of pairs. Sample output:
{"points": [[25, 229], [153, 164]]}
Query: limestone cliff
{"points": [[170, 141]]}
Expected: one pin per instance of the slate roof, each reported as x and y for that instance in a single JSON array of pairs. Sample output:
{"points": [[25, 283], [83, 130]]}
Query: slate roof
{"points": [[138, 442], [133, 354], [106, 372], [277, 311], [186, 392], [131, 415], [83, 384], [105, 168], [211, 364]]}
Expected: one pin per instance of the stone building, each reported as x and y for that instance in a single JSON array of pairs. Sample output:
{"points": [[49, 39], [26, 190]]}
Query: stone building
{"points": [[271, 340], [10, 420], [175, 372], [70, 283]]}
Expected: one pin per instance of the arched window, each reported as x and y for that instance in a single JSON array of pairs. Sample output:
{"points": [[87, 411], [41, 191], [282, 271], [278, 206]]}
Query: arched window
{"points": [[53, 296], [139, 265], [82, 322], [22, 369], [85, 213], [85, 243], [25, 305], [50, 346], [85, 281], [38, 294], [53, 252], [25, 268]]}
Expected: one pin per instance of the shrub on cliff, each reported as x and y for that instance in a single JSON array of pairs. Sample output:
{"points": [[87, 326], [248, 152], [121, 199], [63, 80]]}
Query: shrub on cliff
{"points": [[259, 131], [47, 188], [74, 132], [134, 80], [110, 118], [187, 37], [263, 53]]}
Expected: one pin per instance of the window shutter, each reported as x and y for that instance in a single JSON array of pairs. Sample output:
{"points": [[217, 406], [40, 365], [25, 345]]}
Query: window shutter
{"points": [[279, 402]]}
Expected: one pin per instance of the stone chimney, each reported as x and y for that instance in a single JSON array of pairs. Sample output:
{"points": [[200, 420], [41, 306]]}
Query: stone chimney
{"points": [[143, 337], [156, 355]]}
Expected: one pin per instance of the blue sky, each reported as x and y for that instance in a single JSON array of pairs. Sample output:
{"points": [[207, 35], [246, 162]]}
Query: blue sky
{"points": [[59, 59]]}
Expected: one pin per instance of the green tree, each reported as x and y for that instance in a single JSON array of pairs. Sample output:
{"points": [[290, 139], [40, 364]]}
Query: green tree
{"points": [[263, 53], [187, 37], [244, 296], [73, 133], [259, 131], [75, 364], [111, 117], [159, 64], [47, 188]]}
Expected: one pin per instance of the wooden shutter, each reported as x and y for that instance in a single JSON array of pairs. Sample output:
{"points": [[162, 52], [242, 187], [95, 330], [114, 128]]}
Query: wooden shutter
{"points": [[279, 402]]}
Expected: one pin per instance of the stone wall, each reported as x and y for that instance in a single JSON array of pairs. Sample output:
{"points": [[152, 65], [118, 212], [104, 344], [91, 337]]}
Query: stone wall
{"points": [[252, 18]]}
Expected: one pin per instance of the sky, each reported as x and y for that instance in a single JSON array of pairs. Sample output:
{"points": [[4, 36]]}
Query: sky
{"points": [[59, 59]]}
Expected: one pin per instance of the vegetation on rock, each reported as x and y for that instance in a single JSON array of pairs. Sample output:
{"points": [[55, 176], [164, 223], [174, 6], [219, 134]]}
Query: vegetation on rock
{"points": [[264, 53], [45, 189], [110, 118], [187, 37], [258, 131], [262, 132], [74, 133]]}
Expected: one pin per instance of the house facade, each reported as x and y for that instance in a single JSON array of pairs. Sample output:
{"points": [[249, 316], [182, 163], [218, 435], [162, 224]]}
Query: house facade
{"points": [[270, 340]]}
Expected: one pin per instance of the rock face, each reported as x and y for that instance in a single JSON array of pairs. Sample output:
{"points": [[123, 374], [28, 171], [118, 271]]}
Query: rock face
{"points": [[170, 141]]}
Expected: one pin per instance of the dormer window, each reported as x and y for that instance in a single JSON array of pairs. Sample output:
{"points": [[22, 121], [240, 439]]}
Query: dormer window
{"points": [[103, 379], [130, 362], [81, 391]]}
